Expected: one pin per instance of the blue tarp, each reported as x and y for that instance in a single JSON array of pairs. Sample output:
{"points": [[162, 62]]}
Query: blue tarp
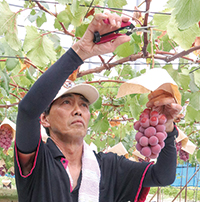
{"points": [[182, 178]]}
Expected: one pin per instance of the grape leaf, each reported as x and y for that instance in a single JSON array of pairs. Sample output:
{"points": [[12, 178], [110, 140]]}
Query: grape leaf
{"points": [[135, 108], [39, 47], [195, 100], [124, 50], [77, 16], [164, 44], [116, 4], [184, 38], [98, 103], [8, 24], [186, 12], [197, 77], [11, 63], [81, 30], [101, 124], [4, 80], [192, 114], [41, 20], [161, 21], [64, 2], [192, 85], [74, 6]]}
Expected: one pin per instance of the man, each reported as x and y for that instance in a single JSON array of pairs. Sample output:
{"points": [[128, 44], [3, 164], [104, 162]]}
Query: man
{"points": [[65, 169]]}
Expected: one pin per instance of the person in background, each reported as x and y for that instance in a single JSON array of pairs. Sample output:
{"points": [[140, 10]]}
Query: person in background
{"points": [[65, 169]]}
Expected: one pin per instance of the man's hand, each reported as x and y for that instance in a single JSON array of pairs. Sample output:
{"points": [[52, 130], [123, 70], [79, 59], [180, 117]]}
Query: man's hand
{"points": [[165, 104], [86, 48]]}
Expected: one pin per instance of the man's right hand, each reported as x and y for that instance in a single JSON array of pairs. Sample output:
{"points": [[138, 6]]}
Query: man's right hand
{"points": [[86, 48]]}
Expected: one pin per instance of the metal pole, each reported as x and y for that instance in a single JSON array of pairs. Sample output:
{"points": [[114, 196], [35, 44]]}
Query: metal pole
{"points": [[197, 186], [186, 181], [185, 185]]}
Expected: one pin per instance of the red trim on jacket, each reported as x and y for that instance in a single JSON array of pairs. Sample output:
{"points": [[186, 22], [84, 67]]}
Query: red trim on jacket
{"points": [[142, 191], [34, 163]]}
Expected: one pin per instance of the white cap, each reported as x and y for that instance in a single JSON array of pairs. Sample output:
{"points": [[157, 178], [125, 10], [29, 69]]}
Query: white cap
{"points": [[87, 90]]}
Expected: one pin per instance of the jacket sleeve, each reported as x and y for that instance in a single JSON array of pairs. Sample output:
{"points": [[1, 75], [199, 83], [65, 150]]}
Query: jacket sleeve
{"points": [[39, 97], [163, 173]]}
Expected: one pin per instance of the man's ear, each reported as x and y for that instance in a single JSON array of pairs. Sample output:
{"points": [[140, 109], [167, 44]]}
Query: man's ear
{"points": [[44, 120]]}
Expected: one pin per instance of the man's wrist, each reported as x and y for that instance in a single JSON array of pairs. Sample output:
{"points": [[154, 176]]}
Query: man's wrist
{"points": [[76, 47], [169, 126]]}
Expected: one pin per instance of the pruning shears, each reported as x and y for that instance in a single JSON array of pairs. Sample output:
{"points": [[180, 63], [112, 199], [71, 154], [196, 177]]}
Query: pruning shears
{"points": [[98, 39]]}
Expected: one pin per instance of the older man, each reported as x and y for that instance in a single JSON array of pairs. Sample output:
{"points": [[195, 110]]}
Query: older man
{"points": [[64, 168]]}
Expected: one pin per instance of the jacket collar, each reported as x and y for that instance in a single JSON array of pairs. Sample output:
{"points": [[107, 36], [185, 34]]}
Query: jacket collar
{"points": [[54, 149]]}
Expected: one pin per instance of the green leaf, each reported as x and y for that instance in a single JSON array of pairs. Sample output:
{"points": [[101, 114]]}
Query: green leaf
{"points": [[198, 155], [8, 24], [135, 108], [41, 20], [98, 103], [192, 84], [101, 124], [184, 38], [124, 50], [186, 12], [76, 18], [11, 63], [161, 21], [127, 72], [164, 43], [64, 2], [39, 47], [55, 39], [63, 17], [4, 81], [116, 4], [192, 115], [81, 30], [74, 6], [197, 77], [195, 101]]}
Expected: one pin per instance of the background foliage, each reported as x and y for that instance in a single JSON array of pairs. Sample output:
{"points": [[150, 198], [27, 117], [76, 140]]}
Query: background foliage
{"points": [[175, 38]]}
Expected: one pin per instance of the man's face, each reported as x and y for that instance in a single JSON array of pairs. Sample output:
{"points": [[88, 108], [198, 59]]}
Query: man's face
{"points": [[69, 116]]}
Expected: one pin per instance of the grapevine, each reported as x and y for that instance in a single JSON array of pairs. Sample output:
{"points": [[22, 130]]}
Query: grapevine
{"points": [[151, 133]]}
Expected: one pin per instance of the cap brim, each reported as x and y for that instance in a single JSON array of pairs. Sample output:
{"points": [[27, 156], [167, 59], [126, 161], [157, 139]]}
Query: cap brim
{"points": [[88, 91]]}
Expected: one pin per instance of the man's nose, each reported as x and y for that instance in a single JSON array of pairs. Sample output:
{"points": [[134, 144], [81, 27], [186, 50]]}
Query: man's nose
{"points": [[77, 110]]}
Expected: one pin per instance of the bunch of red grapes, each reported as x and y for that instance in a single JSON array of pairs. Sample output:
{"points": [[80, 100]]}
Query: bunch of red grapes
{"points": [[182, 154], [5, 137], [151, 133]]}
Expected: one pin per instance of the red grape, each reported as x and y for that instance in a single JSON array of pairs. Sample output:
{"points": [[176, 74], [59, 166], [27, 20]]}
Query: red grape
{"points": [[154, 113], [153, 121], [138, 147], [162, 119], [138, 135], [144, 122], [150, 131], [137, 125], [156, 149], [162, 144], [160, 128], [146, 151], [147, 111], [153, 140], [154, 156], [143, 141], [161, 136], [141, 129], [144, 115]]}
